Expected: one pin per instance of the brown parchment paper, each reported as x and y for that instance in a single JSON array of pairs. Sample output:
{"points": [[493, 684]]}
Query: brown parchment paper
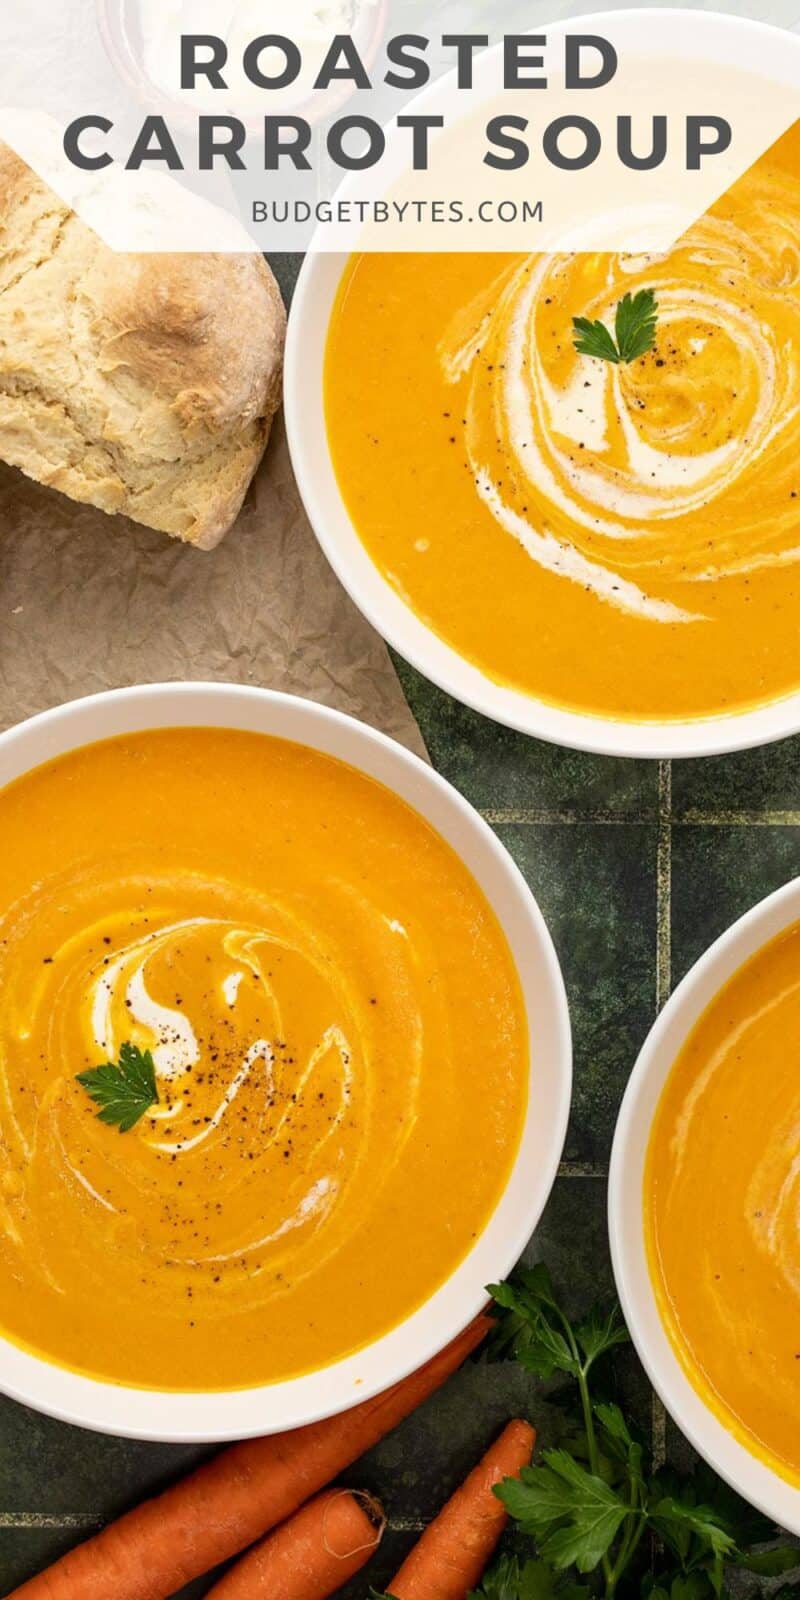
{"points": [[90, 602]]}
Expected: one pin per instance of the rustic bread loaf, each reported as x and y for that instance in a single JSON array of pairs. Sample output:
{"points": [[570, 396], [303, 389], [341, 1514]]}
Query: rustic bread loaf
{"points": [[143, 384]]}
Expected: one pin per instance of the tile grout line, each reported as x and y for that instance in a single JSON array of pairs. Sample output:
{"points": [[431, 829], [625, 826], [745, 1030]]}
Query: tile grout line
{"points": [[25, 1520], [30, 1521], [695, 818], [664, 886], [531, 816], [663, 989]]}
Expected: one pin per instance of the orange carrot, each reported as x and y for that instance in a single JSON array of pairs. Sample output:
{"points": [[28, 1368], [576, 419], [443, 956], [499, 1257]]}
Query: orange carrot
{"points": [[454, 1551], [235, 1498], [312, 1555]]}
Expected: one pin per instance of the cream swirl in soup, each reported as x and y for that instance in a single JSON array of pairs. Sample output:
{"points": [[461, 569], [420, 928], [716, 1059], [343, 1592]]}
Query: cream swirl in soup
{"points": [[263, 1103], [636, 455], [617, 536]]}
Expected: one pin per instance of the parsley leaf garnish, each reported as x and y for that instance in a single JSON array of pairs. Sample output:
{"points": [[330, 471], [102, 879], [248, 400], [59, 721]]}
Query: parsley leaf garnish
{"points": [[634, 330], [124, 1090]]}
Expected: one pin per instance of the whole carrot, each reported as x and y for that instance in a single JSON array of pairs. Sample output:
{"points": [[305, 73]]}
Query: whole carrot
{"points": [[312, 1555], [232, 1500], [454, 1551]]}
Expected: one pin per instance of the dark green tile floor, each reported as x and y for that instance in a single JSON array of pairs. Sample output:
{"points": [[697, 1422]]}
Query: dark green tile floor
{"points": [[637, 867]]}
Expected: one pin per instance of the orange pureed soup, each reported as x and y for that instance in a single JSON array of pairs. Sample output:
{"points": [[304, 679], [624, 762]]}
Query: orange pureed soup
{"points": [[617, 539], [722, 1205], [340, 1051]]}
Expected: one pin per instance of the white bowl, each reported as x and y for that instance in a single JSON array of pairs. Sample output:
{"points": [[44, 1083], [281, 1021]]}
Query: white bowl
{"points": [[773, 53], [753, 1479], [149, 1414]]}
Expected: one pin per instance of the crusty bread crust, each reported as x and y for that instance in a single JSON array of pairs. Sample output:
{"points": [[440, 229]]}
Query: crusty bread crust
{"points": [[142, 384]]}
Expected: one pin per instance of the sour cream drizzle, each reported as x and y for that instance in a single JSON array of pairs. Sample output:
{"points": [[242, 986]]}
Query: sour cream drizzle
{"points": [[240, 1113], [621, 478]]}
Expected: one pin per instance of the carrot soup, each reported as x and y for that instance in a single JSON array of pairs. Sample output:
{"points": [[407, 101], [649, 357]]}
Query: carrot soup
{"points": [[263, 1060], [722, 1205], [616, 533]]}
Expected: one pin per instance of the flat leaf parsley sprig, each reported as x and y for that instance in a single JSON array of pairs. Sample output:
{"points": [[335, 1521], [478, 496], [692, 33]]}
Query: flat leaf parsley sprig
{"points": [[634, 330], [602, 1520], [123, 1089]]}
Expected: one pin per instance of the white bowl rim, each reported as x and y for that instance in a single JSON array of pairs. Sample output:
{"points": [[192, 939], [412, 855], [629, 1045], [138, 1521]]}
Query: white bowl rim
{"points": [[754, 1479], [218, 1416], [383, 606]]}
